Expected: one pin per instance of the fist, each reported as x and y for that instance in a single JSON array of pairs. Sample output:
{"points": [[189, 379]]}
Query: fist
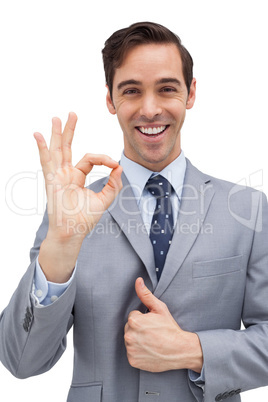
{"points": [[155, 342]]}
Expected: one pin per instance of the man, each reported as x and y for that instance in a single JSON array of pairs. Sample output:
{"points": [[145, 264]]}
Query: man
{"points": [[151, 323]]}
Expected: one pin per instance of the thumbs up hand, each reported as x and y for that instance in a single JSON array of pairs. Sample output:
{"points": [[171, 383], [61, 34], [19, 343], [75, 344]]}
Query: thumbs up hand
{"points": [[155, 342]]}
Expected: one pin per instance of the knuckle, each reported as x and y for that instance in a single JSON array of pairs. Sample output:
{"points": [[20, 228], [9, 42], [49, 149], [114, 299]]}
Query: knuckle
{"points": [[147, 292], [132, 321], [88, 158], [57, 149], [67, 145], [165, 307], [127, 338]]}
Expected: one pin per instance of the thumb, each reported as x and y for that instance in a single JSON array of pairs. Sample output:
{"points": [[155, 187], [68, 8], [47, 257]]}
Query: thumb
{"points": [[112, 188], [148, 299]]}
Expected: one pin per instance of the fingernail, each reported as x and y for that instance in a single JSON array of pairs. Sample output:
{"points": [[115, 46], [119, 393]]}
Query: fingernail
{"points": [[142, 283]]}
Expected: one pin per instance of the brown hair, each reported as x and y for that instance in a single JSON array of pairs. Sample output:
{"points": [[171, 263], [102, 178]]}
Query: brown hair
{"points": [[139, 34]]}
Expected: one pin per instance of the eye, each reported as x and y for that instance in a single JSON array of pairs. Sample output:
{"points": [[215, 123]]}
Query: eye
{"points": [[131, 91], [168, 89]]}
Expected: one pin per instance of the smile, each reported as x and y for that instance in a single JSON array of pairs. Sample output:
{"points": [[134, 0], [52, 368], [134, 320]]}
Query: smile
{"points": [[152, 131]]}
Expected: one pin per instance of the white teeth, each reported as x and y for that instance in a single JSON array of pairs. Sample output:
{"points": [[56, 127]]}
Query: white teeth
{"points": [[150, 130]]}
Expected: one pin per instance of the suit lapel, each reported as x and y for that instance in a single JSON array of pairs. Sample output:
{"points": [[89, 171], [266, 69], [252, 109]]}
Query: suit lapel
{"points": [[196, 198], [125, 212]]}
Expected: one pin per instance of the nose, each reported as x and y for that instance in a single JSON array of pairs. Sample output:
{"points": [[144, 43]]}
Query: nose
{"points": [[150, 106]]}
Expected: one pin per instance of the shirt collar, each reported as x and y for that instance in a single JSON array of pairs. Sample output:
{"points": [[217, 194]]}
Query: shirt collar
{"points": [[138, 175]]}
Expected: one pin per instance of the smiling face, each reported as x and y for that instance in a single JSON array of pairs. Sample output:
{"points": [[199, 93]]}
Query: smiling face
{"points": [[150, 99]]}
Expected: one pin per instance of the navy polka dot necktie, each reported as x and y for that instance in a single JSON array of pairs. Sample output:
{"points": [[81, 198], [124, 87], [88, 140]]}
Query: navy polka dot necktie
{"points": [[162, 223]]}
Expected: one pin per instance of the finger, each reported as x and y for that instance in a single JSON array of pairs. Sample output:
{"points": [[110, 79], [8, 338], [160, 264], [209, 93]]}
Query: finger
{"points": [[133, 319], [126, 334], [148, 299], [67, 138], [55, 147], [126, 328], [134, 314], [45, 158], [89, 160]]}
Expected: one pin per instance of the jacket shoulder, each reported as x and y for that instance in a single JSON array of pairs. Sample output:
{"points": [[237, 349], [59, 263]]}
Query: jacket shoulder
{"points": [[221, 184]]}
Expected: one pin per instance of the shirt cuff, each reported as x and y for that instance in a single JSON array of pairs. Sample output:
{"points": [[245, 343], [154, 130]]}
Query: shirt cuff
{"points": [[45, 292], [197, 378]]}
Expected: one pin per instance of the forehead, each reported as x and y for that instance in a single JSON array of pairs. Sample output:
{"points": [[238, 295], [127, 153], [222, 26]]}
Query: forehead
{"points": [[150, 62]]}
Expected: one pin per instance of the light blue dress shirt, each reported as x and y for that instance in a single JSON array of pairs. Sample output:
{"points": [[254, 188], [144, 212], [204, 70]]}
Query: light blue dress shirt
{"points": [[46, 292], [138, 176]]}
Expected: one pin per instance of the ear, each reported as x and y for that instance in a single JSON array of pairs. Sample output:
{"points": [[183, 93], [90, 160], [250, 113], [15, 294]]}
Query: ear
{"points": [[191, 96], [109, 102]]}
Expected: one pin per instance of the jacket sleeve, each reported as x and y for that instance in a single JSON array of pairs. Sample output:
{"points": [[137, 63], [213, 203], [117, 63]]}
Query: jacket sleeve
{"points": [[33, 338], [237, 361]]}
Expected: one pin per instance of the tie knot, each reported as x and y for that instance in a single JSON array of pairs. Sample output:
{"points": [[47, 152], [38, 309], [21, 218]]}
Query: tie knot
{"points": [[159, 186]]}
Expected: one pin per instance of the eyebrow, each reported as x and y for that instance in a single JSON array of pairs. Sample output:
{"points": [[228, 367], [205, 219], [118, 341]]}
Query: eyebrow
{"points": [[168, 80], [128, 82]]}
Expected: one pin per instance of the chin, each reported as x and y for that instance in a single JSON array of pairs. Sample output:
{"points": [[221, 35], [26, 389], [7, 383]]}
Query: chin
{"points": [[155, 163]]}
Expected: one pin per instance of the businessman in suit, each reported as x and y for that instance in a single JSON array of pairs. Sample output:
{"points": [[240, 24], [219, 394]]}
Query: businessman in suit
{"points": [[144, 332]]}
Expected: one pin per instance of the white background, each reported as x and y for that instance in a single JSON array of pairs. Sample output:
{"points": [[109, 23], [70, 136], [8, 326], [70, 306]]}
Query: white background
{"points": [[51, 64]]}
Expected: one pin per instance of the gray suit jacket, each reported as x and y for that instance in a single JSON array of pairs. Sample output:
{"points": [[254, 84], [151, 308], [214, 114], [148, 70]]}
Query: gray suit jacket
{"points": [[216, 273]]}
